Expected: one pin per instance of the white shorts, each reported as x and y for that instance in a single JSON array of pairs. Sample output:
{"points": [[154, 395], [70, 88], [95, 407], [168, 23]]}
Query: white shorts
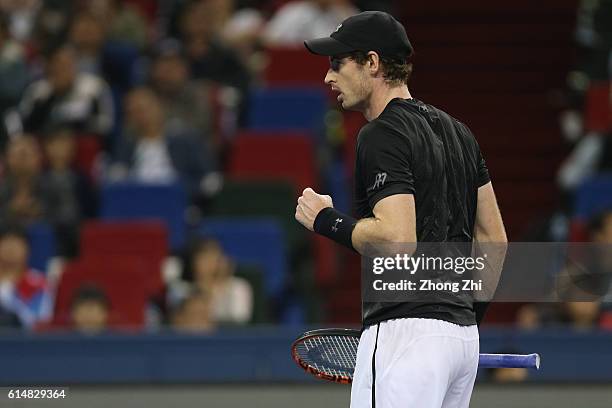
{"points": [[415, 363]]}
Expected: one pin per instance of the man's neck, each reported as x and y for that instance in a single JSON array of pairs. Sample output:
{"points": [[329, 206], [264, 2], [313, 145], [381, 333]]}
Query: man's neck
{"points": [[381, 98]]}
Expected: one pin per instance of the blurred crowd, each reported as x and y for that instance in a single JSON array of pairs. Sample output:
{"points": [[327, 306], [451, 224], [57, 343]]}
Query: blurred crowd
{"points": [[101, 91], [584, 179], [153, 91]]}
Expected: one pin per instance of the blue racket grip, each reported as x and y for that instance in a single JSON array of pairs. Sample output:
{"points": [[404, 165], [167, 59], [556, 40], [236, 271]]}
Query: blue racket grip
{"points": [[509, 361]]}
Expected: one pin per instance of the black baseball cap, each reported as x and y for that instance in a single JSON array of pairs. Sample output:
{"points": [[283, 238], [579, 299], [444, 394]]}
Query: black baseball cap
{"points": [[367, 31]]}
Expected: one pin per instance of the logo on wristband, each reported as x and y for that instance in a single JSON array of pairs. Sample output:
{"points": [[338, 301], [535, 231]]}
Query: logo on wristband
{"points": [[334, 227]]}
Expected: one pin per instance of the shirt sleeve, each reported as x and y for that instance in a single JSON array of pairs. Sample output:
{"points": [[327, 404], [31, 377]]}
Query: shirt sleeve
{"points": [[483, 171], [385, 160]]}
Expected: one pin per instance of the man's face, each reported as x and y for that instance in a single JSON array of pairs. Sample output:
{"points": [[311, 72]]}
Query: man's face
{"points": [[143, 110], [170, 73], [351, 80], [90, 316], [23, 157], [87, 33], [13, 253], [62, 70]]}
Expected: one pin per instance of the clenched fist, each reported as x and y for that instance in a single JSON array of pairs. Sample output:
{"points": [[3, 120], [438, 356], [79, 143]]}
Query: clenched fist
{"points": [[308, 206]]}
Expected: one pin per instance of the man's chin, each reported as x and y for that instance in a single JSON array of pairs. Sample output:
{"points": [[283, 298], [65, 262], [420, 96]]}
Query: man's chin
{"points": [[348, 107]]}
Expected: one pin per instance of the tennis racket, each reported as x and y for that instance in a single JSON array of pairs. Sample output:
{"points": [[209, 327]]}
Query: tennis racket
{"points": [[330, 354]]}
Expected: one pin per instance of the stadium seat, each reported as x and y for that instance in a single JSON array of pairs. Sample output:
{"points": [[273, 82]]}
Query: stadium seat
{"points": [[257, 241], [593, 196], [277, 199], [87, 149], [577, 231], [255, 277], [133, 201], [598, 107], [146, 240], [257, 198], [125, 288], [287, 109], [42, 245], [274, 157], [294, 66]]}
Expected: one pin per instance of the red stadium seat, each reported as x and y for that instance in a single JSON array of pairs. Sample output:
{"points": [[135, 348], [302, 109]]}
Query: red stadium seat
{"points": [[289, 157], [605, 322], [147, 241], [598, 107], [274, 156], [87, 149], [123, 281], [295, 66], [578, 231]]}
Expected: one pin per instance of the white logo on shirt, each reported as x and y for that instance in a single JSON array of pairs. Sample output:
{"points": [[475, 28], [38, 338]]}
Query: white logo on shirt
{"points": [[338, 28], [380, 180]]}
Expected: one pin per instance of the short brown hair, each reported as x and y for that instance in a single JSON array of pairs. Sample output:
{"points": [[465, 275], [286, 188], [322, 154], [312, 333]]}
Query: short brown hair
{"points": [[396, 72]]}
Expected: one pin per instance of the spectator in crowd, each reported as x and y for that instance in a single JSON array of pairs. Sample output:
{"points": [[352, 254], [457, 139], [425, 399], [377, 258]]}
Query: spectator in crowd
{"points": [[23, 291], [149, 152], [90, 310], [13, 77], [87, 37], [209, 57], [22, 16], [72, 197], [123, 22], [23, 196], [186, 103], [113, 61], [242, 30], [591, 156], [581, 284], [193, 314], [65, 97], [298, 21], [213, 273], [593, 41], [27, 195]]}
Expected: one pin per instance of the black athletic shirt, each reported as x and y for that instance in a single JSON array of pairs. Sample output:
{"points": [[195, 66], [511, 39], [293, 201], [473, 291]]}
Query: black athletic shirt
{"points": [[414, 148]]}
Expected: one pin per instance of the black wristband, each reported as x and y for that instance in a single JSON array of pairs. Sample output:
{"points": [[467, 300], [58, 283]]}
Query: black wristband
{"points": [[335, 226]]}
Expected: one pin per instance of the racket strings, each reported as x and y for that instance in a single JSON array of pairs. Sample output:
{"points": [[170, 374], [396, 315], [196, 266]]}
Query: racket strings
{"points": [[331, 355]]}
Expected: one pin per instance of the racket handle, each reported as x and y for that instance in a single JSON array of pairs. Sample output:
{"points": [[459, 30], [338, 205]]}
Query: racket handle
{"points": [[509, 361]]}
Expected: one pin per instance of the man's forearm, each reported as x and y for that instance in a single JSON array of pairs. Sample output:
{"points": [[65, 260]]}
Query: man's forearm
{"points": [[376, 231]]}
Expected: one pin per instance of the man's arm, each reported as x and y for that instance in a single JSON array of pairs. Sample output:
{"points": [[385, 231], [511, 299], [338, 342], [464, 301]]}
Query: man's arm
{"points": [[489, 231], [489, 226], [394, 222]]}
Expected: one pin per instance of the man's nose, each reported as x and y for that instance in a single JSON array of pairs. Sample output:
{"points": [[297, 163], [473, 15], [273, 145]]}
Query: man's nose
{"points": [[328, 77]]}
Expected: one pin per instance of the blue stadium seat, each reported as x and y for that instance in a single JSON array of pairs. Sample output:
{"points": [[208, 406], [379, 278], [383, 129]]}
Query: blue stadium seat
{"points": [[593, 196], [42, 245], [254, 241], [287, 109], [134, 201]]}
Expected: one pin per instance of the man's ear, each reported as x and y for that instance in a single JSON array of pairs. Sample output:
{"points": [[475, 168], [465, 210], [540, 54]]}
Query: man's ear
{"points": [[373, 62]]}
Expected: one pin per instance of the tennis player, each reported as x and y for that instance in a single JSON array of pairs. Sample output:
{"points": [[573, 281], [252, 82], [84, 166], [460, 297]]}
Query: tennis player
{"points": [[419, 177]]}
